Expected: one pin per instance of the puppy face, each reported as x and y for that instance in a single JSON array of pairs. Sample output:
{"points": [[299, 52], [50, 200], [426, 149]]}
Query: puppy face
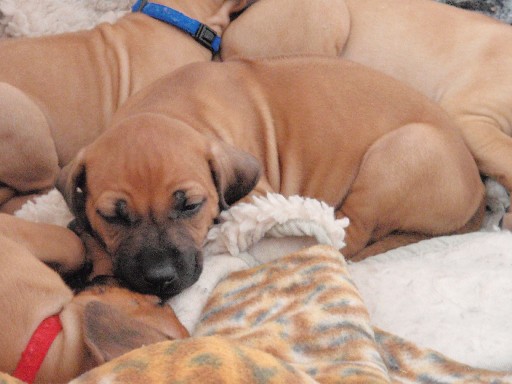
{"points": [[149, 189]]}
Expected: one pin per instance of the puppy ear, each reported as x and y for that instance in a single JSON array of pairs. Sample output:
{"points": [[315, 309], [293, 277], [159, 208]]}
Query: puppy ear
{"points": [[240, 5], [71, 183], [220, 20], [108, 333], [235, 173]]}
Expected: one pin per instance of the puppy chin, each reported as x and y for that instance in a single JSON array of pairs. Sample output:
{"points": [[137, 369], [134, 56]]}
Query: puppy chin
{"points": [[163, 272]]}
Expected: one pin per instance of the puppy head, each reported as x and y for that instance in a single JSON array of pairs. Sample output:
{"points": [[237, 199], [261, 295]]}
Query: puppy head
{"points": [[149, 189], [129, 319]]}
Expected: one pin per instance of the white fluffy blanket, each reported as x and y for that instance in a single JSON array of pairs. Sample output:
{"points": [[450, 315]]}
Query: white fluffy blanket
{"points": [[453, 294]]}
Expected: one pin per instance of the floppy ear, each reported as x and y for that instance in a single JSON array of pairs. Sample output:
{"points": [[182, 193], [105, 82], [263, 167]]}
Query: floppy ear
{"points": [[71, 183], [109, 333], [235, 173], [240, 5], [220, 20]]}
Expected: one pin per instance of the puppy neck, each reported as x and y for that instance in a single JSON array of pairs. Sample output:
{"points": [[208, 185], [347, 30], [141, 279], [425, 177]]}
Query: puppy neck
{"points": [[68, 357]]}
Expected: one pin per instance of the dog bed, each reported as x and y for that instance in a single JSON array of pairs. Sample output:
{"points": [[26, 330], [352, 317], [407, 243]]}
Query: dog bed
{"points": [[272, 307], [450, 293]]}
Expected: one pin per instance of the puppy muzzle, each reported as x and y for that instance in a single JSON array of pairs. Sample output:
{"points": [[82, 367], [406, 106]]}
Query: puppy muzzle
{"points": [[164, 272]]}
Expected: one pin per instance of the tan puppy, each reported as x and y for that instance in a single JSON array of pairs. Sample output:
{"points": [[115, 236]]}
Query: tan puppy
{"points": [[458, 58], [98, 324], [382, 154], [58, 93]]}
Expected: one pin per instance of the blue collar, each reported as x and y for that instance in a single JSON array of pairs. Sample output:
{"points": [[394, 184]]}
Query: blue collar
{"points": [[203, 34]]}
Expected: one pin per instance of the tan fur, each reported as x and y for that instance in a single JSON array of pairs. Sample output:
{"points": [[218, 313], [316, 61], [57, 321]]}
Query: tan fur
{"points": [[58, 93], [457, 58], [31, 291], [381, 153]]}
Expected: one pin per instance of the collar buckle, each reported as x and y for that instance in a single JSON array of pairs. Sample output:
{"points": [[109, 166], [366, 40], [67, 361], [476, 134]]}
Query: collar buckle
{"points": [[205, 36], [200, 32]]}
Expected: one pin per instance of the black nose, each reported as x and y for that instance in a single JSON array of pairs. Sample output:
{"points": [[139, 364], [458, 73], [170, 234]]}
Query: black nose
{"points": [[160, 275]]}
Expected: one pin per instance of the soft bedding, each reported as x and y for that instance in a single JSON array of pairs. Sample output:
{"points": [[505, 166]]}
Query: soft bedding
{"points": [[276, 308], [299, 319]]}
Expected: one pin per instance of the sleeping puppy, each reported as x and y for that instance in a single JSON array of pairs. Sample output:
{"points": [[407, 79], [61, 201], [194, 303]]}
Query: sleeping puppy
{"points": [[58, 93], [83, 330], [458, 58], [152, 185]]}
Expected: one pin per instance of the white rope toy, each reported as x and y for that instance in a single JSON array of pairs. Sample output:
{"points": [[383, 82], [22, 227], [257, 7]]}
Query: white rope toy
{"points": [[274, 215]]}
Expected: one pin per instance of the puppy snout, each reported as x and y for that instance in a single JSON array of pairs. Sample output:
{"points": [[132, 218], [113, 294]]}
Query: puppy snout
{"points": [[162, 271], [160, 274]]}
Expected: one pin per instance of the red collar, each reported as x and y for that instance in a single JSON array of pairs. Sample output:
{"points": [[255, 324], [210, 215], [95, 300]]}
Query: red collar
{"points": [[37, 348]]}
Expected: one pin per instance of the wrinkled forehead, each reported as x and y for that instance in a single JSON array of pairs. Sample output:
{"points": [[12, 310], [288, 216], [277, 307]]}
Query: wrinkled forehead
{"points": [[99, 285], [148, 134], [147, 168], [149, 150], [118, 296]]}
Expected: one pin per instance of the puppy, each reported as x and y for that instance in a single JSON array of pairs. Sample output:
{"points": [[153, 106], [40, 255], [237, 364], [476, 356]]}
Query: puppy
{"points": [[457, 58], [58, 93], [184, 148], [98, 324]]}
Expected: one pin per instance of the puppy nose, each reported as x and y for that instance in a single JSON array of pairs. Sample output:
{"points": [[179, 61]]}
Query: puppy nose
{"points": [[161, 276]]}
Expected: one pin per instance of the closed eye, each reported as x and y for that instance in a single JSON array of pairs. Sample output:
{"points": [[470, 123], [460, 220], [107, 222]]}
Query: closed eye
{"points": [[114, 219], [184, 207], [120, 216], [187, 209], [192, 208]]}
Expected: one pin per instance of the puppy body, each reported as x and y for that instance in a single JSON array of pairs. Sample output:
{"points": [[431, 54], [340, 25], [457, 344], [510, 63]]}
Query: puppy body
{"points": [[458, 58], [382, 154], [97, 325], [58, 93]]}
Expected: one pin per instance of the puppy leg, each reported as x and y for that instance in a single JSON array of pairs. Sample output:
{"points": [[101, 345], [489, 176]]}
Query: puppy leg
{"points": [[414, 180], [492, 150], [99, 258], [16, 202], [387, 243], [57, 246], [6, 194], [28, 157]]}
